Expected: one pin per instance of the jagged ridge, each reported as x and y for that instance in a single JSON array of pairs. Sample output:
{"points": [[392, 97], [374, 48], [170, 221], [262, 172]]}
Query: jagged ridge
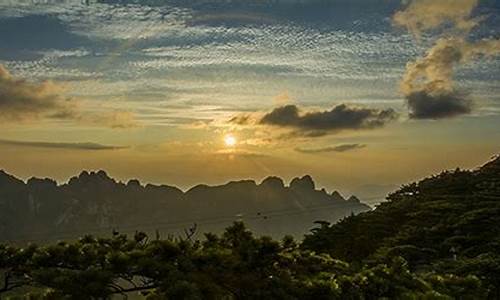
{"points": [[94, 201]]}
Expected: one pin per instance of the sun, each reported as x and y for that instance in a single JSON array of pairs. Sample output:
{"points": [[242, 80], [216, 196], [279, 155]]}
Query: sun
{"points": [[230, 140]]}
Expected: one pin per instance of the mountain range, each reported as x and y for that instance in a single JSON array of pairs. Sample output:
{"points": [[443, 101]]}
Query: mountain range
{"points": [[92, 202]]}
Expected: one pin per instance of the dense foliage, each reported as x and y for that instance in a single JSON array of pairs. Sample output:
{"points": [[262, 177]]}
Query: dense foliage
{"points": [[448, 223], [436, 239], [236, 265]]}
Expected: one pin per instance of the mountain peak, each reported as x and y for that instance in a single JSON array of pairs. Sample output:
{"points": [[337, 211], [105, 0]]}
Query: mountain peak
{"points": [[86, 177], [134, 183], [83, 174], [34, 181], [273, 182], [354, 199], [304, 183], [102, 174], [337, 196], [6, 178]]}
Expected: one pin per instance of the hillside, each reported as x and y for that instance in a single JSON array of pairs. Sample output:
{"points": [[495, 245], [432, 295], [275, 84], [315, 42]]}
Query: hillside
{"points": [[446, 223], [40, 209]]}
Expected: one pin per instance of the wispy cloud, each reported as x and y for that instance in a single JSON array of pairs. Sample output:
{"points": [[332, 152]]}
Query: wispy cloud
{"points": [[339, 148], [56, 145], [115, 119], [422, 15]]}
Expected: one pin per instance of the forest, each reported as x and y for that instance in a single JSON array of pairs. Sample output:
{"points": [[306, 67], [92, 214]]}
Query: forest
{"points": [[434, 239]]}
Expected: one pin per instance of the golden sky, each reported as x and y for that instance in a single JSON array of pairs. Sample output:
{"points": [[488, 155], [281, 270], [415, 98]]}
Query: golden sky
{"points": [[362, 95]]}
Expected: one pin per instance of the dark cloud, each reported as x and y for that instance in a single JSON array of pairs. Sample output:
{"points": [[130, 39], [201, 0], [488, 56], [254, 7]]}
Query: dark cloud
{"points": [[240, 120], [348, 147], [339, 148], [425, 105], [428, 82], [76, 146], [20, 100], [341, 117]]}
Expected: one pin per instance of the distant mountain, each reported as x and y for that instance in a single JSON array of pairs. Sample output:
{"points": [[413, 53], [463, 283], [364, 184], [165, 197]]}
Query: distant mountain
{"points": [[92, 202]]}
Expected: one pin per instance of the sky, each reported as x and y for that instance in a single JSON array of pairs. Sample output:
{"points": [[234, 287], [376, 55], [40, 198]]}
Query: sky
{"points": [[363, 95]]}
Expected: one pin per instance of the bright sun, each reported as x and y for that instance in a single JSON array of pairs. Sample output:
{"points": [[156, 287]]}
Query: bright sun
{"points": [[230, 140]]}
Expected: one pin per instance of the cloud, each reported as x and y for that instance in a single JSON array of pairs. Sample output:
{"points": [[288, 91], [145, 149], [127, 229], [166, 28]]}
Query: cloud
{"points": [[239, 153], [318, 123], [282, 99], [75, 146], [22, 100], [339, 148], [423, 15], [114, 119], [244, 119], [438, 105], [435, 70], [428, 83]]}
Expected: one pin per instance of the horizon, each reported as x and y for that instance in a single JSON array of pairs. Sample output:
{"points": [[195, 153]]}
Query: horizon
{"points": [[286, 181], [363, 96]]}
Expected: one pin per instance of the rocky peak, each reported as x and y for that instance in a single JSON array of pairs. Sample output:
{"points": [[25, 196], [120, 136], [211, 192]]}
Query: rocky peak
{"points": [[84, 175], [92, 179], [134, 183], [34, 182], [337, 196], [273, 182], [303, 183], [240, 184], [6, 179], [354, 199], [102, 174]]}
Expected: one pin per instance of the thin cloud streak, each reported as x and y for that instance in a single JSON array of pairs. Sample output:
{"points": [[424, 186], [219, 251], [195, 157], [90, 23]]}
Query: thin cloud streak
{"points": [[56, 145], [339, 148]]}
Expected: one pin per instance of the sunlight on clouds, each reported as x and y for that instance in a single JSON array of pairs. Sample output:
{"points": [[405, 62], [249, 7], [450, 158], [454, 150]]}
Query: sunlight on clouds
{"points": [[174, 82], [230, 140]]}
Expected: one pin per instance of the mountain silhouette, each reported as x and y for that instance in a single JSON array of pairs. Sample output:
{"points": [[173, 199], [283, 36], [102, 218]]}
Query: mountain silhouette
{"points": [[93, 202]]}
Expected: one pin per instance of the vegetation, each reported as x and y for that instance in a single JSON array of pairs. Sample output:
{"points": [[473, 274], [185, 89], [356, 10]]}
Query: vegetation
{"points": [[235, 265], [446, 224], [436, 239]]}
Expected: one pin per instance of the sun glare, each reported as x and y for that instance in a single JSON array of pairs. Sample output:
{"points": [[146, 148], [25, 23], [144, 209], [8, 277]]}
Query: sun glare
{"points": [[230, 140]]}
